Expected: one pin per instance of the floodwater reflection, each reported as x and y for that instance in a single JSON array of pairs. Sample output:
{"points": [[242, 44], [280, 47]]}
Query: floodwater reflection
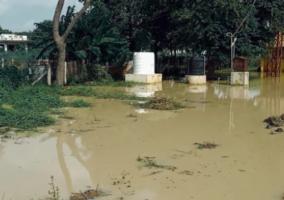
{"points": [[236, 92], [147, 90]]}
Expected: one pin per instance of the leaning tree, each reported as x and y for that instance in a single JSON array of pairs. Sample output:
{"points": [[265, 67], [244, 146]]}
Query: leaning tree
{"points": [[60, 37]]}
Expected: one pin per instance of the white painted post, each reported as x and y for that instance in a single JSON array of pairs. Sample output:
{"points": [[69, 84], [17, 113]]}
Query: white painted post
{"points": [[48, 74], [65, 73], [2, 62], [26, 48], [5, 47]]}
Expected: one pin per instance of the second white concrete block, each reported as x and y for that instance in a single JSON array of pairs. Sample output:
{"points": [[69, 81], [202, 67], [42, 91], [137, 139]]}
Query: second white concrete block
{"points": [[196, 79], [240, 78]]}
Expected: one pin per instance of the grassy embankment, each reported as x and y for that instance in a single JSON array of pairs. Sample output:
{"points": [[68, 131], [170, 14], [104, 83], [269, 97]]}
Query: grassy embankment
{"points": [[25, 107]]}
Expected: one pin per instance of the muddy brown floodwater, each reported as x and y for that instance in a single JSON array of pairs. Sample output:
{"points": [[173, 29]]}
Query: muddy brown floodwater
{"points": [[136, 154]]}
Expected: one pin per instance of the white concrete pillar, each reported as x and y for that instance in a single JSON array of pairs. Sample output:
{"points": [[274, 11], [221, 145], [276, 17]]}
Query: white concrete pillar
{"points": [[196, 79], [5, 47], [65, 73], [26, 47], [2, 63], [48, 74], [240, 78]]}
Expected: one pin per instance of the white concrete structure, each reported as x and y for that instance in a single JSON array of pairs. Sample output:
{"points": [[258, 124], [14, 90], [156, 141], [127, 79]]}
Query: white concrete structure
{"points": [[153, 78], [240, 78], [7, 40], [196, 79], [144, 69], [13, 37]]}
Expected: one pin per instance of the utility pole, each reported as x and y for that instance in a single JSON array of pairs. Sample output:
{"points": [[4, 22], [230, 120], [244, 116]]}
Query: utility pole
{"points": [[233, 40], [5, 47]]}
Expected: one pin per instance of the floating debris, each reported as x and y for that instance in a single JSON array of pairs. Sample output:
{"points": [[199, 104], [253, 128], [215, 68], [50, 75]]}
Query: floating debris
{"points": [[162, 103], [187, 172], [123, 183], [131, 115], [87, 195], [274, 121], [150, 162], [206, 145], [277, 131], [154, 173]]}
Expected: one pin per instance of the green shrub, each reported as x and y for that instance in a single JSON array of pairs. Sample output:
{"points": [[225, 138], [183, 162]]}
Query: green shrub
{"points": [[98, 73], [12, 77]]}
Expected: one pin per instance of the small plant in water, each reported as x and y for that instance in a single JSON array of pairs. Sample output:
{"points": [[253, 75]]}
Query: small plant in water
{"points": [[162, 103], [150, 162], [53, 192], [88, 194], [79, 103], [206, 145]]}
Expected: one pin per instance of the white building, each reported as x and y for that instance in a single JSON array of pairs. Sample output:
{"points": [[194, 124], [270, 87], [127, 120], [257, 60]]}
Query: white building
{"points": [[9, 41]]}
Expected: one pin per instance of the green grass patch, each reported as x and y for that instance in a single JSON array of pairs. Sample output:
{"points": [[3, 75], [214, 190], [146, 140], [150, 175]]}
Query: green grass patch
{"points": [[79, 103], [100, 93], [84, 91], [111, 83], [29, 107], [24, 119]]}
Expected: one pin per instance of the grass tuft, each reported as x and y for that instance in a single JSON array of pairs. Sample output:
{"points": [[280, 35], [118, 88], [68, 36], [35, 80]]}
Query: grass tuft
{"points": [[162, 103], [150, 162], [79, 103]]}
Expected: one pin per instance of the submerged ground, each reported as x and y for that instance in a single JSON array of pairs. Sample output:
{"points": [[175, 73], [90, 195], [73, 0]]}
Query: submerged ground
{"points": [[138, 154]]}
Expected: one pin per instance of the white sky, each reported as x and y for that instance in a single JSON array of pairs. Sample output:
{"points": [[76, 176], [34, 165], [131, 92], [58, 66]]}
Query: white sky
{"points": [[20, 15]]}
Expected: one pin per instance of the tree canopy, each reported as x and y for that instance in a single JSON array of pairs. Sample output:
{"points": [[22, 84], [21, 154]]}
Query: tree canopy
{"points": [[111, 29]]}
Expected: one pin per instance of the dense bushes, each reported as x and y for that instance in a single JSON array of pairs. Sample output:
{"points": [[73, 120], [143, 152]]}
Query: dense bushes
{"points": [[12, 77]]}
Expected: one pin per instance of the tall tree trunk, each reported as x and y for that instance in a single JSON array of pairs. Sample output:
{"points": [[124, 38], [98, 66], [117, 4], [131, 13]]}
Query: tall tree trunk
{"points": [[60, 71], [60, 38]]}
